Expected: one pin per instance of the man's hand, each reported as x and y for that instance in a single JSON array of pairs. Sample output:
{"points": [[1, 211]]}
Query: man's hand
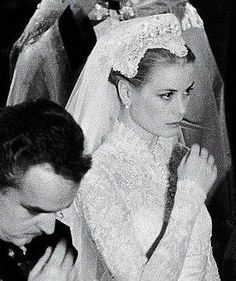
{"points": [[55, 265]]}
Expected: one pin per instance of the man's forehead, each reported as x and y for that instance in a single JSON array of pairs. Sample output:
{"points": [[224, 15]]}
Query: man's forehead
{"points": [[46, 190], [39, 179]]}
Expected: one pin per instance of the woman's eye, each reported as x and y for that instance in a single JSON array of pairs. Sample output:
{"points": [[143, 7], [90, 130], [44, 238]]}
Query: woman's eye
{"points": [[32, 212], [167, 96], [188, 91]]}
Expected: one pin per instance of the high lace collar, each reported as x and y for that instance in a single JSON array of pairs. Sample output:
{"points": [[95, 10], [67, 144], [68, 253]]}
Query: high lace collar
{"points": [[133, 144]]}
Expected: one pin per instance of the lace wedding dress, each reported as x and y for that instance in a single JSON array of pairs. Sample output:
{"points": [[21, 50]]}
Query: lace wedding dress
{"points": [[122, 200]]}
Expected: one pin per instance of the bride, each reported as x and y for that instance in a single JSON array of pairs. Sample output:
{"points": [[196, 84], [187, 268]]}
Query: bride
{"points": [[141, 208]]}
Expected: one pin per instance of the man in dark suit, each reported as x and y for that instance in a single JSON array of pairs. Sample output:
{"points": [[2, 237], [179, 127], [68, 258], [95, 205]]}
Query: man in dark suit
{"points": [[41, 164]]}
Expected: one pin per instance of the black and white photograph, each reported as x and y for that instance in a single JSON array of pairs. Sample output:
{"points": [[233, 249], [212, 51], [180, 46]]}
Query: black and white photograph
{"points": [[117, 144]]}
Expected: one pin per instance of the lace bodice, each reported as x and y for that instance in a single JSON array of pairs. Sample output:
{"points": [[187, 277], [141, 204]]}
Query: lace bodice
{"points": [[123, 201]]}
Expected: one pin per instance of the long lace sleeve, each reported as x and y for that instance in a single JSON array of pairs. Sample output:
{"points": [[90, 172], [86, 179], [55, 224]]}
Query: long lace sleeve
{"points": [[211, 269], [199, 263], [167, 261], [111, 228]]}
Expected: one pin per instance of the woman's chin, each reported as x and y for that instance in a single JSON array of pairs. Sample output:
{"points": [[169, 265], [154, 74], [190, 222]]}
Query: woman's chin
{"points": [[169, 132]]}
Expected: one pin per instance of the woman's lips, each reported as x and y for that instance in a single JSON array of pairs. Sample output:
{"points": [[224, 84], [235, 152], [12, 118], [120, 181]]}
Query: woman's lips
{"points": [[174, 124]]}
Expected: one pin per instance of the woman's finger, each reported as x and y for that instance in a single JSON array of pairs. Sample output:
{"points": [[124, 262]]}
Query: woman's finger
{"points": [[211, 161], [204, 153], [183, 161], [215, 170], [195, 150], [68, 261]]}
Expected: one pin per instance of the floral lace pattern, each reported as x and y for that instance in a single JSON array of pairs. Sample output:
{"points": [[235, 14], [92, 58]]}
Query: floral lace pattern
{"points": [[123, 202], [183, 10], [160, 31], [191, 18]]}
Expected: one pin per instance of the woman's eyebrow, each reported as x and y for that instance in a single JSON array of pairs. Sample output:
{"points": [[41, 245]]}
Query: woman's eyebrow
{"points": [[174, 90], [190, 85], [168, 90], [36, 209]]}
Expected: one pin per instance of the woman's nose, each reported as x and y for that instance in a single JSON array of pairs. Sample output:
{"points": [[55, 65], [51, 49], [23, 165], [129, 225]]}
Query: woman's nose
{"points": [[181, 104], [47, 223]]}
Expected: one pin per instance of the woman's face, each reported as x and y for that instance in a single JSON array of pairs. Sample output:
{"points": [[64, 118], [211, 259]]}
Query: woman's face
{"points": [[160, 105]]}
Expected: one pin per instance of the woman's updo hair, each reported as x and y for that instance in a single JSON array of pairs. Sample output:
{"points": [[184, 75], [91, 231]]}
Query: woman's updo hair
{"points": [[151, 59]]}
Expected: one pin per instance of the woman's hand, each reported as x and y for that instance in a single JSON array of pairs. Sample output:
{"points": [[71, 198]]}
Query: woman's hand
{"points": [[55, 265], [198, 166]]}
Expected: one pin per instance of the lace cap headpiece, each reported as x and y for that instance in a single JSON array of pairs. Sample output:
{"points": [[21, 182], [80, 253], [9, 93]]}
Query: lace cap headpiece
{"points": [[158, 31]]}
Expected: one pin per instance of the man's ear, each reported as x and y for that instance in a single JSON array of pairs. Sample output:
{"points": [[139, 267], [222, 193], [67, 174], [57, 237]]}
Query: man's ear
{"points": [[125, 93]]}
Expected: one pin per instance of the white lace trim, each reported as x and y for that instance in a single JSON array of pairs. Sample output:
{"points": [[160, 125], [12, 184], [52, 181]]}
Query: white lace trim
{"points": [[191, 18], [160, 31]]}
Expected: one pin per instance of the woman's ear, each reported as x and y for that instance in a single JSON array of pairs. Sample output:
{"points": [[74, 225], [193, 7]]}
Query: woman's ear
{"points": [[125, 93]]}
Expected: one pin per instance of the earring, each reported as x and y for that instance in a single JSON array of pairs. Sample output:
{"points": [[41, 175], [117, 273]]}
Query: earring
{"points": [[127, 105]]}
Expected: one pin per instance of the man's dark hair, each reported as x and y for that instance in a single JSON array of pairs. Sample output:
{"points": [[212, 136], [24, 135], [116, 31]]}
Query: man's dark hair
{"points": [[39, 132]]}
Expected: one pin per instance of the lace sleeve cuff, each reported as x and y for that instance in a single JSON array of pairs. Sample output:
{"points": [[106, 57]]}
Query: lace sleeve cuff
{"points": [[189, 198], [188, 190]]}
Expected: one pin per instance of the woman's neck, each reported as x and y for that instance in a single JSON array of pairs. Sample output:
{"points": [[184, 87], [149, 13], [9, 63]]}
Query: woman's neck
{"points": [[146, 136]]}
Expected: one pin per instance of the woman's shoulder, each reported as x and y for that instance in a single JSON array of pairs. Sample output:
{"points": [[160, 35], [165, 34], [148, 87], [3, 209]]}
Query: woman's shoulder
{"points": [[101, 173], [99, 188], [107, 171], [108, 155]]}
